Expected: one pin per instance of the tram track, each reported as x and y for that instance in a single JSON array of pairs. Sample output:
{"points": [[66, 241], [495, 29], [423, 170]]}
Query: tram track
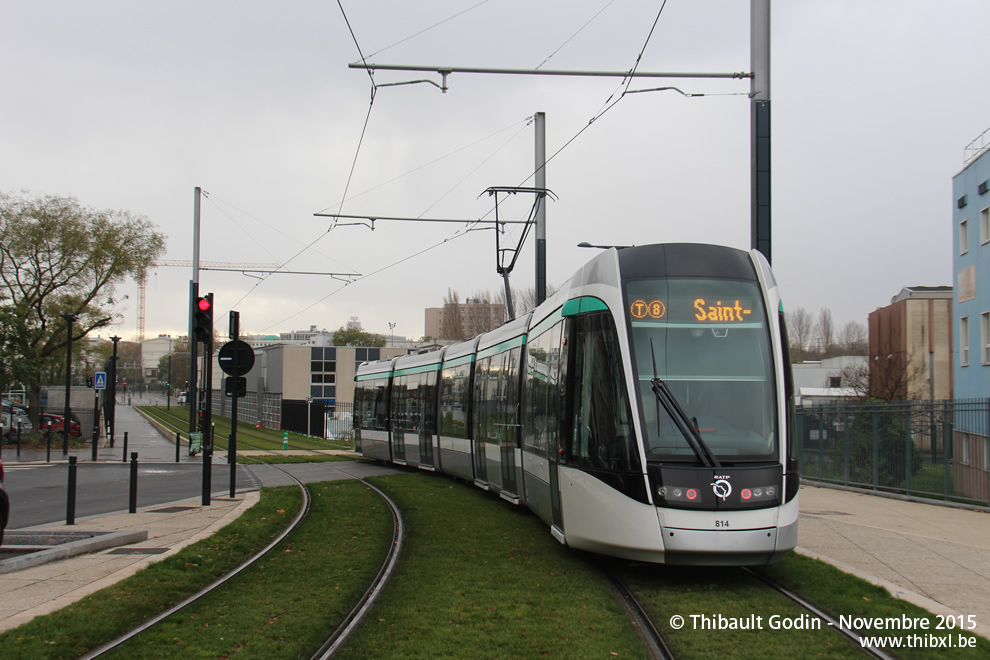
{"points": [[340, 634], [659, 648], [831, 621]]}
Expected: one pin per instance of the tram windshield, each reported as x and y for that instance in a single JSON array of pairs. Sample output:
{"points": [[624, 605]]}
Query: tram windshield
{"points": [[708, 341]]}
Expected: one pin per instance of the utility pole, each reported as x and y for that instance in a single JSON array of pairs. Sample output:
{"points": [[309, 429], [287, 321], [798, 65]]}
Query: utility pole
{"points": [[760, 125], [192, 397], [541, 207]]}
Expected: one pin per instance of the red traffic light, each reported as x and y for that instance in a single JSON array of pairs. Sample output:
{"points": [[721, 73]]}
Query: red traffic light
{"points": [[203, 304]]}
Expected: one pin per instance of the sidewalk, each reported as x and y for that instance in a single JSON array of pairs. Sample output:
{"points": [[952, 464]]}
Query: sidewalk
{"points": [[937, 557]]}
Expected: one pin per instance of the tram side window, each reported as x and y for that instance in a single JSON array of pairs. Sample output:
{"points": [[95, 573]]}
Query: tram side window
{"points": [[369, 400], [379, 401], [427, 402], [542, 376], [455, 396], [602, 435]]}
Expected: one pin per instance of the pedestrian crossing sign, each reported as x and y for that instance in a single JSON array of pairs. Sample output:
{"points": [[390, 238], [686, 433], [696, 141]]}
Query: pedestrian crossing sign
{"points": [[101, 380]]}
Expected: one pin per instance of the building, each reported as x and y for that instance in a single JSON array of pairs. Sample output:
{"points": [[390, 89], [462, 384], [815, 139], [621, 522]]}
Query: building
{"points": [[152, 351], [911, 346], [971, 317], [826, 381], [971, 265], [472, 317]]}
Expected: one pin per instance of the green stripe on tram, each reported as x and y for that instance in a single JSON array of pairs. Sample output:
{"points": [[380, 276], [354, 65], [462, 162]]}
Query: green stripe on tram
{"points": [[417, 370], [504, 346], [583, 305]]}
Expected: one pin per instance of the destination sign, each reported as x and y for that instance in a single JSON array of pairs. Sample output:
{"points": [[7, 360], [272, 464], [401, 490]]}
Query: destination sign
{"points": [[719, 312], [703, 310]]}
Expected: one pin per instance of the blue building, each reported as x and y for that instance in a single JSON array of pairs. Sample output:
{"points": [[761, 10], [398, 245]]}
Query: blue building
{"points": [[971, 265], [971, 368]]}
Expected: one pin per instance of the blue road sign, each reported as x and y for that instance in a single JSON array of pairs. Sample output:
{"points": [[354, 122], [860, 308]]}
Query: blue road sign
{"points": [[101, 380]]}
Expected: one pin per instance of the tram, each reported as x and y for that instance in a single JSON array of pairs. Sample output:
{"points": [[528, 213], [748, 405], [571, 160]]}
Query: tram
{"points": [[644, 411]]}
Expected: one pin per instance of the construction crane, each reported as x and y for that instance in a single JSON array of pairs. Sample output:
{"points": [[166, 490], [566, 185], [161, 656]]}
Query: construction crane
{"points": [[187, 263]]}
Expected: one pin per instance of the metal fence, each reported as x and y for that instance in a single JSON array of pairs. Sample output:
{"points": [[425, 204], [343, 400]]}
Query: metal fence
{"points": [[926, 448]]}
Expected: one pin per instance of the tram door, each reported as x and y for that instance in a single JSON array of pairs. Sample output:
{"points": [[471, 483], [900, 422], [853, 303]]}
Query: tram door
{"points": [[556, 449], [428, 423], [508, 410], [482, 419]]}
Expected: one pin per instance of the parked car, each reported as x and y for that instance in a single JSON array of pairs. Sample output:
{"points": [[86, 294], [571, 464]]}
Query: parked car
{"points": [[181, 399], [12, 419], [4, 505], [48, 421]]}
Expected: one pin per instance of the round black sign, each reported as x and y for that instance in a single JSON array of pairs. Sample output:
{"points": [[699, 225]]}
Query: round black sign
{"points": [[239, 350]]}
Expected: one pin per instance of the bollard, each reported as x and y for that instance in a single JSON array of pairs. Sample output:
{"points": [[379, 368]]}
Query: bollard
{"points": [[134, 475], [285, 440], [70, 506], [18, 441], [178, 443], [123, 459]]}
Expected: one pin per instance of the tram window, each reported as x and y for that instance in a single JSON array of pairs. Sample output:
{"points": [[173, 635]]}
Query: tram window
{"points": [[601, 433], [455, 396], [541, 391]]}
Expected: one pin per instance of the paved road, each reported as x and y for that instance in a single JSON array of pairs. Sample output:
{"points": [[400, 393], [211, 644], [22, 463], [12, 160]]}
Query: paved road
{"points": [[39, 493]]}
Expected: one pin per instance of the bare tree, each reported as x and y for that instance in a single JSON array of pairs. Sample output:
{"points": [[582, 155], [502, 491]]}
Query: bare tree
{"points": [[852, 339], [799, 330], [450, 325], [884, 377], [825, 332]]}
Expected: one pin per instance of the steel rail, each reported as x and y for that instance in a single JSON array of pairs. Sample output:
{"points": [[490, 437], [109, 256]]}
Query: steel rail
{"points": [[654, 640], [300, 515], [852, 635], [364, 605]]}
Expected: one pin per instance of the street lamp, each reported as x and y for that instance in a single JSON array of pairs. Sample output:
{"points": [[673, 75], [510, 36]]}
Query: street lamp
{"points": [[68, 384], [391, 335], [168, 383]]}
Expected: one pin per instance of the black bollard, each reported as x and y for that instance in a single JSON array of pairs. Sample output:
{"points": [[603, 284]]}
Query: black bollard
{"points": [[70, 507], [178, 443], [123, 459], [18, 441], [134, 476]]}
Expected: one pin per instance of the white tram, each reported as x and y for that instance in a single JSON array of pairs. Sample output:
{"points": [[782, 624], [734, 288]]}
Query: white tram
{"points": [[644, 411]]}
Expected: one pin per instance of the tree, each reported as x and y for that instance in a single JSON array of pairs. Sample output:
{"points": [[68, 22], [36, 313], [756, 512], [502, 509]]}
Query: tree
{"points": [[825, 332], [356, 337], [180, 366], [884, 377], [852, 339], [799, 331], [58, 257], [450, 325]]}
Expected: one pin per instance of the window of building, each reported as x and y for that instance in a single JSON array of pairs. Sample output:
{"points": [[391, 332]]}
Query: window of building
{"points": [[964, 341], [985, 226], [964, 237], [985, 337]]}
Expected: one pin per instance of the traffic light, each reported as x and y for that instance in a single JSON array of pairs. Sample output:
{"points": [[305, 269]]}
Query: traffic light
{"points": [[203, 318], [89, 381]]}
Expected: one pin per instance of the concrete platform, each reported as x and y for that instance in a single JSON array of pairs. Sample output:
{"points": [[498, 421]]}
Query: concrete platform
{"points": [[935, 556]]}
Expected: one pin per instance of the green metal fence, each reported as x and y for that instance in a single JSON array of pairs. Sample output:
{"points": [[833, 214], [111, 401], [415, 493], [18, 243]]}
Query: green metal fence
{"points": [[933, 449]]}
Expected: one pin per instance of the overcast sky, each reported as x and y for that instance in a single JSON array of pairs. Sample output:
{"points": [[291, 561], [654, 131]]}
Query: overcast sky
{"points": [[133, 104]]}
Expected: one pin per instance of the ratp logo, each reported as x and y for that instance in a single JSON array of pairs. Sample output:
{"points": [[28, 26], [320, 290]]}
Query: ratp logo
{"points": [[721, 487]]}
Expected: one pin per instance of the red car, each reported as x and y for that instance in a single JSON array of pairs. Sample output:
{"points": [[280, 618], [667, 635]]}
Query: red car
{"points": [[53, 424]]}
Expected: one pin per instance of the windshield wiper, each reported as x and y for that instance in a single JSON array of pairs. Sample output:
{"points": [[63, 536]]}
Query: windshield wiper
{"points": [[683, 423]]}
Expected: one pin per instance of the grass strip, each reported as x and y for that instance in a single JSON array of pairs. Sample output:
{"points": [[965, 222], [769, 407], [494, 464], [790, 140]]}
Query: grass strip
{"points": [[481, 578], [109, 613], [248, 435], [839, 593], [287, 604]]}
